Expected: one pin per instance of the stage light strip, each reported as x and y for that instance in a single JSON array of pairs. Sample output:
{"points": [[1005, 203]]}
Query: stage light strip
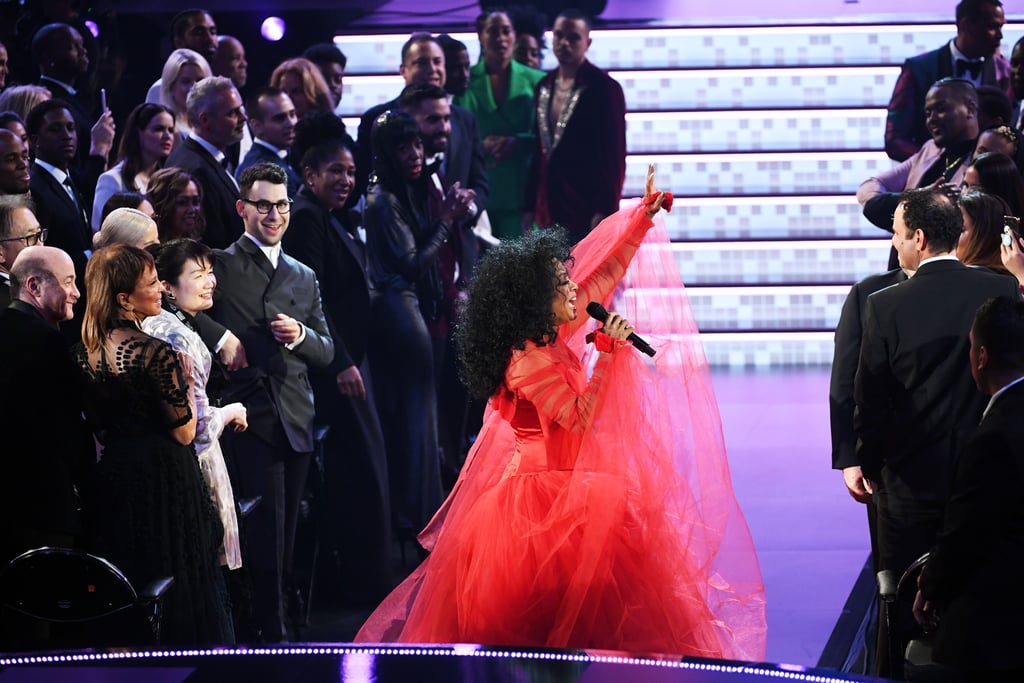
{"points": [[703, 32], [786, 245], [786, 671], [762, 200], [754, 114], [693, 73], [702, 291], [757, 157]]}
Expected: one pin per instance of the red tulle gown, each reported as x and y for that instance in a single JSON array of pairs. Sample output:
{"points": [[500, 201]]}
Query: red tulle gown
{"points": [[595, 513]]}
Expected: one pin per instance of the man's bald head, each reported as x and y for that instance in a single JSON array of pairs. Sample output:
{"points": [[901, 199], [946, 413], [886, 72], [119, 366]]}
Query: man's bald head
{"points": [[44, 277]]}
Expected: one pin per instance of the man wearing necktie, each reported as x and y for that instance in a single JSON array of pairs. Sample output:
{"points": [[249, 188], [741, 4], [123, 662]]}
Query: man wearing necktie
{"points": [[976, 627], [53, 133], [971, 55]]}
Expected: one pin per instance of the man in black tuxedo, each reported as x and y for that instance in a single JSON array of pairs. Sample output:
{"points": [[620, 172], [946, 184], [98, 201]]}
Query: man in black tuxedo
{"points": [[217, 118], [19, 230], [272, 117], [964, 584], [60, 207], [272, 302], [60, 54], [916, 401], [47, 448], [972, 55], [357, 526]]}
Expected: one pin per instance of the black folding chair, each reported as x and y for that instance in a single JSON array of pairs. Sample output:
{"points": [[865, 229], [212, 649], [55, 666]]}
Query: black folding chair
{"points": [[54, 598]]}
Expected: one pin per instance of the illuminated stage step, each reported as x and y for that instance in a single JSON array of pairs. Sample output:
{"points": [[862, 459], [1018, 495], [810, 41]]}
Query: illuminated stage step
{"points": [[784, 263], [768, 349], [768, 217], [756, 173], [733, 309], [678, 89], [752, 130], [699, 47]]}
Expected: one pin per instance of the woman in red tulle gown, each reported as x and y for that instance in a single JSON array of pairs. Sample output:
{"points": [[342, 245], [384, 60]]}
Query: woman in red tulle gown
{"points": [[591, 513]]}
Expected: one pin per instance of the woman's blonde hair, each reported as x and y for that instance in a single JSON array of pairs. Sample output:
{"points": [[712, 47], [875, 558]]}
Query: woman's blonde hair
{"points": [[123, 226], [112, 270], [21, 98], [172, 68]]}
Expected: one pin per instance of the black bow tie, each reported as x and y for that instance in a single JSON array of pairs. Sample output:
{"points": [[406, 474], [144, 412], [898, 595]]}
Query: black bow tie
{"points": [[964, 66]]}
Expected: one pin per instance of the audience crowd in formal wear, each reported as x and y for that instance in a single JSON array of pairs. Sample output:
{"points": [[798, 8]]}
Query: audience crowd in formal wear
{"points": [[225, 267], [918, 348]]}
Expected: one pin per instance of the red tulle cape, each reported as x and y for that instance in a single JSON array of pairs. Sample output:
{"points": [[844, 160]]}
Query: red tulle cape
{"points": [[641, 546]]}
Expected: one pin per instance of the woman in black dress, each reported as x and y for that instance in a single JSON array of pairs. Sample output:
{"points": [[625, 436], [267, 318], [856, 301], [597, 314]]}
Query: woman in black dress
{"points": [[358, 520], [150, 510], [403, 236]]}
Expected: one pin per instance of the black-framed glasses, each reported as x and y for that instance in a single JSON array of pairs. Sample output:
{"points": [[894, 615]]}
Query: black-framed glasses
{"points": [[264, 206], [31, 239]]}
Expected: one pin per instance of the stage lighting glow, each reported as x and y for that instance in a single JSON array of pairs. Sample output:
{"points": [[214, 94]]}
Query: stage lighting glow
{"points": [[93, 27], [273, 29]]}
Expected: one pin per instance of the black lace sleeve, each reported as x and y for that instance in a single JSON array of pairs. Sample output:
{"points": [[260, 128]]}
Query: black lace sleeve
{"points": [[165, 369]]}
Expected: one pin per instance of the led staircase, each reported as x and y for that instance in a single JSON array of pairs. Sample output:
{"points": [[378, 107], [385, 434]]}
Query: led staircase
{"points": [[764, 134]]}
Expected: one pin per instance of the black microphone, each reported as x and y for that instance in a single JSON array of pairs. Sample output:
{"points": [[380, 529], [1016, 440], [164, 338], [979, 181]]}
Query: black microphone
{"points": [[599, 313]]}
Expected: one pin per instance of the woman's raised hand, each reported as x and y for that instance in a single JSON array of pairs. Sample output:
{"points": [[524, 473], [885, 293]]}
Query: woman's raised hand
{"points": [[653, 198]]}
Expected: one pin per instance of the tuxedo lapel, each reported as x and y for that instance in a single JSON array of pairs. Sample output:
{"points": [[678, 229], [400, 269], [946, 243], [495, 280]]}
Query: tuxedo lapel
{"points": [[219, 171], [257, 256], [354, 248]]}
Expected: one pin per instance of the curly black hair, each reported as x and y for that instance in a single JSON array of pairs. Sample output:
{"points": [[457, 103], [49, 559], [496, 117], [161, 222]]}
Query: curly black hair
{"points": [[509, 304]]}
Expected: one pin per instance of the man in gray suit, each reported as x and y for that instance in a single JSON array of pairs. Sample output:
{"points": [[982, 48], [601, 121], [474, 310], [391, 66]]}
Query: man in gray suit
{"points": [[272, 302]]}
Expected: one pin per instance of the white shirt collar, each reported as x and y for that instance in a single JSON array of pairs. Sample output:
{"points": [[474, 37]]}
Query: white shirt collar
{"points": [[60, 175], [217, 154], [272, 253], [998, 394], [960, 55], [281, 153], [942, 257]]}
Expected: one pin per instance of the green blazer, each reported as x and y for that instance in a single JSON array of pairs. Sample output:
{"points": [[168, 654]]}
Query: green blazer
{"points": [[507, 178]]}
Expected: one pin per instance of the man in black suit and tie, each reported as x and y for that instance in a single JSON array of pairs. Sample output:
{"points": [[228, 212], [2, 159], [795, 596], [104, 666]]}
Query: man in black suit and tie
{"points": [[916, 401], [47, 447], [272, 117], [218, 120], [272, 302], [19, 230], [964, 586], [59, 205], [60, 54]]}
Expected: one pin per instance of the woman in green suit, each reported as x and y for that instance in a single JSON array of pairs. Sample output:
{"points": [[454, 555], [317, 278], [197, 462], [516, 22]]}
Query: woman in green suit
{"points": [[500, 95]]}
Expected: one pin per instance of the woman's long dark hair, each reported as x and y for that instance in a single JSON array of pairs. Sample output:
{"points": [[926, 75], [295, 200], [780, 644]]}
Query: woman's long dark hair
{"points": [[998, 175], [983, 242], [130, 151], [509, 304]]}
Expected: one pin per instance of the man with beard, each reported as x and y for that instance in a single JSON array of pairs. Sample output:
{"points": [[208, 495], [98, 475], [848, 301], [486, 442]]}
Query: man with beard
{"points": [[1017, 84], [218, 120], [972, 55], [456, 65], [951, 112]]}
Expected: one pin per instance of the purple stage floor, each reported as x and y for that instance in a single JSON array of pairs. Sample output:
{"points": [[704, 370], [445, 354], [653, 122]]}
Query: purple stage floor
{"points": [[811, 537]]}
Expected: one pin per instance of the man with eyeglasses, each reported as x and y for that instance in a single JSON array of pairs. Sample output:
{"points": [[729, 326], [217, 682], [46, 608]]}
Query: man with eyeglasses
{"points": [[14, 163], [273, 302], [19, 230], [218, 120]]}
